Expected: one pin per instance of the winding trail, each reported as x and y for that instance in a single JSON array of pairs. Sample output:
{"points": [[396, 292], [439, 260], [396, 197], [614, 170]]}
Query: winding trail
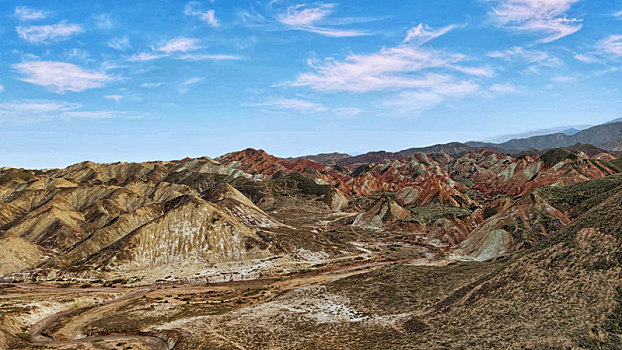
{"points": [[71, 333], [38, 336]]}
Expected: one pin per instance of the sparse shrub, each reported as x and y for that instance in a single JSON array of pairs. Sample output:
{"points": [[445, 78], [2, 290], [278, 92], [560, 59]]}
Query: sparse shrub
{"points": [[23, 336]]}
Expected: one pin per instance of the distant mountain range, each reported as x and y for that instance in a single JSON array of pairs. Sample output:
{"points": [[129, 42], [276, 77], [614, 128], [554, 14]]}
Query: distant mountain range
{"points": [[568, 130], [325, 158], [607, 136]]}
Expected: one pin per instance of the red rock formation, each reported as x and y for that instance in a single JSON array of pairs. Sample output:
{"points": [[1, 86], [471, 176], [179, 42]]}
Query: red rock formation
{"points": [[424, 178]]}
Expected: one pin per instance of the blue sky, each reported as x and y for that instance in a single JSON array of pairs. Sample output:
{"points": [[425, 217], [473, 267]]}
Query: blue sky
{"points": [[133, 81]]}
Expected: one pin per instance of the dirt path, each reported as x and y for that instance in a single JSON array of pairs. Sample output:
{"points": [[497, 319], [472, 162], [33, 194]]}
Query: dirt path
{"points": [[68, 333], [72, 328]]}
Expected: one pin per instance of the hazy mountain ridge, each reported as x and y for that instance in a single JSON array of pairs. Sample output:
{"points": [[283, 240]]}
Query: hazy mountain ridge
{"points": [[607, 136]]}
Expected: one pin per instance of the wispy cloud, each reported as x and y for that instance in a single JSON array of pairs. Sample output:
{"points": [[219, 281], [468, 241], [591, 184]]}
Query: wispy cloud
{"points": [[48, 34], [76, 53], [617, 14], [310, 18], [611, 45], [121, 43], [177, 49], [185, 86], [534, 59], [563, 79], [1, 88], [305, 106], [347, 112], [115, 98], [413, 102], [146, 56], [603, 51], [538, 16], [585, 57], [421, 77], [202, 57], [25, 13], [520, 52], [60, 76], [151, 85], [422, 33], [208, 16], [178, 45], [27, 111], [291, 104], [104, 21], [503, 88], [401, 67], [192, 81]]}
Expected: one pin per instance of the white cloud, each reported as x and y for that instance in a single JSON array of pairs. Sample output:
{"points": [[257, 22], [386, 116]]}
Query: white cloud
{"points": [[61, 77], [25, 13], [77, 54], [503, 88], [121, 44], [192, 81], [607, 70], [422, 78], [291, 104], [146, 56], [534, 58], [48, 34], [115, 98], [1, 88], [347, 112], [179, 45], [185, 86], [518, 52], [104, 21], [208, 16], [539, 16], [23, 111], [477, 71], [611, 45], [151, 85], [175, 47], [607, 49], [304, 106], [587, 58], [414, 102], [421, 33], [563, 79], [306, 18], [202, 57], [618, 14], [400, 67], [300, 15]]}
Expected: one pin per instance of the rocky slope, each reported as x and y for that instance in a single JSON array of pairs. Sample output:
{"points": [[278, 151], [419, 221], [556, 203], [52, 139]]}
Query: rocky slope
{"points": [[129, 218], [490, 191], [122, 217], [325, 158], [564, 292], [481, 250]]}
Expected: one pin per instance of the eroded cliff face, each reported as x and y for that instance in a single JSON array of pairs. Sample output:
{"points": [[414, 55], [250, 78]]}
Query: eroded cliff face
{"points": [[192, 233], [94, 218], [422, 179], [123, 217]]}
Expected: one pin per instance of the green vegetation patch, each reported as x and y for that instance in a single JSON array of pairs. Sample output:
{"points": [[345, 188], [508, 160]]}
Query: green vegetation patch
{"points": [[434, 211], [582, 196]]}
